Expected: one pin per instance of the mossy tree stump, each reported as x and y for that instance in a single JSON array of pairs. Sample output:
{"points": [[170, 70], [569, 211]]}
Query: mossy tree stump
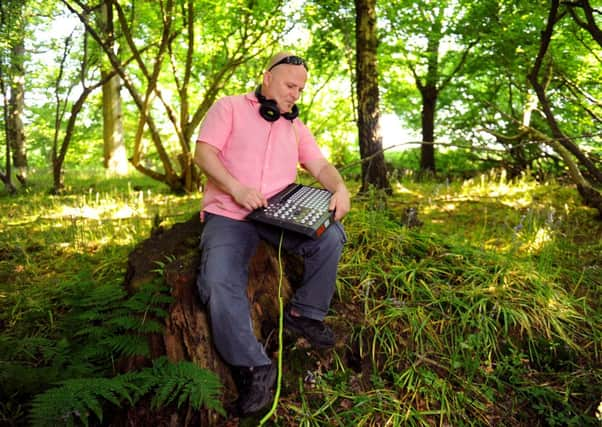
{"points": [[187, 333]]}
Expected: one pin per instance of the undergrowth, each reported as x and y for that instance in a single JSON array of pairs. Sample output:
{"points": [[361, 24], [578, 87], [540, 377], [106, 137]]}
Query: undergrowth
{"points": [[69, 359], [66, 321], [486, 311]]}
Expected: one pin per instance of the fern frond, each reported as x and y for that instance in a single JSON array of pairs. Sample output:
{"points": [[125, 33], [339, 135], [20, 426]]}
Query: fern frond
{"points": [[130, 322], [92, 298], [128, 345], [165, 392], [185, 381], [92, 332], [89, 315], [74, 401]]}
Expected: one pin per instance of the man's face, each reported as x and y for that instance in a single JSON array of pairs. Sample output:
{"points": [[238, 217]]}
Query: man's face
{"points": [[284, 85]]}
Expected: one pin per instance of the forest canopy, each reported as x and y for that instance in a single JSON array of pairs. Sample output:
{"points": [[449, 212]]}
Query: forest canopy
{"points": [[125, 85]]}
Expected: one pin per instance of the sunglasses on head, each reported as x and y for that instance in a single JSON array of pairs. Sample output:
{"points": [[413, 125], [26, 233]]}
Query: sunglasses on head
{"points": [[292, 60]]}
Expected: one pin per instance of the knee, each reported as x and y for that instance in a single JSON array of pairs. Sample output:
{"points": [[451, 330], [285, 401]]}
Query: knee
{"points": [[334, 238], [219, 295], [222, 272], [330, 244]]}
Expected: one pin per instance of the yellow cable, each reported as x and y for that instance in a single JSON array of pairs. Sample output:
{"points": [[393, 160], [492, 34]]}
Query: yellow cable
{"points": [[280, 328]]}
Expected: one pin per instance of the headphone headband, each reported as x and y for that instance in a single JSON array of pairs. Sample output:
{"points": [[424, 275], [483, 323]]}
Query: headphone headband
{"points": [[269, 110]]}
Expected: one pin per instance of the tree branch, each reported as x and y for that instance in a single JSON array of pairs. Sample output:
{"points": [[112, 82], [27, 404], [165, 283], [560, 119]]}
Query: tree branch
{"points": [[546, 37], [589, 24]]}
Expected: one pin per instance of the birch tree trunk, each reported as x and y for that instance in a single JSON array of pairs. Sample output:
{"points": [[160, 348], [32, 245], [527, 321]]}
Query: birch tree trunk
{"points": [[16, 130], [115, 154]]}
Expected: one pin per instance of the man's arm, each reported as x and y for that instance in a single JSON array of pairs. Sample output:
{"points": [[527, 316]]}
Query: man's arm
{"points": [[206, 157], [330, 178]]}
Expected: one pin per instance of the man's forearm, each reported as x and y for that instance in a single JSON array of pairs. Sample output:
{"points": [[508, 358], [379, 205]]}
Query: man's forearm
{"points": [[206, 158], [331, 179]]}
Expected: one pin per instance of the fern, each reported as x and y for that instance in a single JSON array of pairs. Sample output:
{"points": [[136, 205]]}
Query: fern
{"points": [[76, 400], [118, 328], [128, 322], [184, 382], [128, 345], [94, 325]]}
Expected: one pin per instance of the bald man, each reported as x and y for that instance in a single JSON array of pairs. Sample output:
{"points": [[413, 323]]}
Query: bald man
{"points": [[249, 147]]}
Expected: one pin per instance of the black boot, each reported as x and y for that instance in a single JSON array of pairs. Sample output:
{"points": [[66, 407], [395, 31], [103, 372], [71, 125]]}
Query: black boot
{"points": [[254, 387], [319, 335]]}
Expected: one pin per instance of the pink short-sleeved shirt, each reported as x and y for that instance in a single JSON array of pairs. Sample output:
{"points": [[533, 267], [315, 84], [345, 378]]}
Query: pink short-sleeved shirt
{"points": [[260, 154]]}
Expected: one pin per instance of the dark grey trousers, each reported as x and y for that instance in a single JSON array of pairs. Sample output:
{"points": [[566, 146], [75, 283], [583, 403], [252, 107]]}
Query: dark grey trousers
{"points": [[227, 246]]}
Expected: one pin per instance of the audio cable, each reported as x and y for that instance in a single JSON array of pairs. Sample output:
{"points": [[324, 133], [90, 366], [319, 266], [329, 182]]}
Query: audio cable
{"points": [[280, 339]]}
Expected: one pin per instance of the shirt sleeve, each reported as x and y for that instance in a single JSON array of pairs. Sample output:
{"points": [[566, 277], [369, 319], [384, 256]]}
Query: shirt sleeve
{"points": [[308, 147], [217, 125]]}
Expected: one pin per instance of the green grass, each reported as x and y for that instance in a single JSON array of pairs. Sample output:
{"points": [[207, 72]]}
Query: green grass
{"points": [[487, 314]]}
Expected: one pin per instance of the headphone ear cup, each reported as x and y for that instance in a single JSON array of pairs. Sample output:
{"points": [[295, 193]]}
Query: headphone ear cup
{"points": [[269, 111], [292, 115], [268, 108]]}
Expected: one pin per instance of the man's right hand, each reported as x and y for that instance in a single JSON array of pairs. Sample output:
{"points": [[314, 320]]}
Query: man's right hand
{"points": [[206, 156], [249, 198]]}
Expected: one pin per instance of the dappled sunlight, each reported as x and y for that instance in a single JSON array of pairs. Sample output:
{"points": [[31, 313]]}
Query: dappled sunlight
{"points": [[402, 189], [518, 193], [519, 217], [541, 237], [449, 206], [124, 212], [73, 224], [82, 212]]}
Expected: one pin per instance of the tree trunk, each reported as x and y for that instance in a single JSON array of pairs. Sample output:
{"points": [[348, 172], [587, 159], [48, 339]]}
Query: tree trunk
{"points": [[7, 176], [427, 149], [591, 196], [59, 153], [16, 130], [373, 168], [187, 333], [430, 92], [115, 154]]}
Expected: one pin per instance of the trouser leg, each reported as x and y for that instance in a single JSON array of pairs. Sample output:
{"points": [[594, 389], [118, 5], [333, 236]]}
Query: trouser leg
{"points": [[227, 246], [320, 261]]}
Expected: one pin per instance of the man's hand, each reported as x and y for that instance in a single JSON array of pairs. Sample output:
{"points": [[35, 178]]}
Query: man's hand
{"points": [[340, 202], [206, 156], [249, 198], [329, 177]]}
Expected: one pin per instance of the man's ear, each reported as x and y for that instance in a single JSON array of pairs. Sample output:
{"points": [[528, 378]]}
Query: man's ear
{"points": [[267, 78]]}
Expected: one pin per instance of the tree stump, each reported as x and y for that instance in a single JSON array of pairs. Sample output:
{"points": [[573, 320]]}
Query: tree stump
{"points": [[187, 333]]}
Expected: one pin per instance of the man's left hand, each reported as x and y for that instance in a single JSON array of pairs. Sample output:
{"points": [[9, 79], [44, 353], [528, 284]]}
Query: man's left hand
{"points": [[340, 203]]}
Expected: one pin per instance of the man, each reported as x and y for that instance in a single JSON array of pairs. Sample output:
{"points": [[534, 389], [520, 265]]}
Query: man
{"points": [[249, 147]]}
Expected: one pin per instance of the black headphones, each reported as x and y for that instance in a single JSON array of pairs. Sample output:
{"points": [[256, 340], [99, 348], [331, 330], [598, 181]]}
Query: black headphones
{"points": [[269, 109]]}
